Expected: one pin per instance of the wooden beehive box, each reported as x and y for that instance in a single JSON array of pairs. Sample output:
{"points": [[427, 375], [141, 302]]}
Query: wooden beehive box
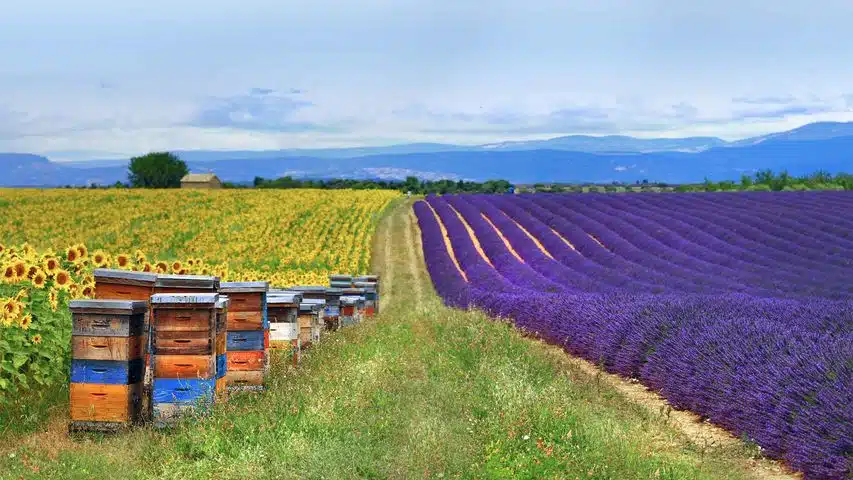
{"points": [[311, 292], [370, 297], [309, 321], [112, 284], [107, 364], [349, 303], [283, 311], [184, 363], [340, 281], [332, 311], [248, 334]]}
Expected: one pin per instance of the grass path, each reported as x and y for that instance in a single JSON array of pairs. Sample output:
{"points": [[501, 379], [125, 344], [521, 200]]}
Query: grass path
{"points": [[422, 391]]}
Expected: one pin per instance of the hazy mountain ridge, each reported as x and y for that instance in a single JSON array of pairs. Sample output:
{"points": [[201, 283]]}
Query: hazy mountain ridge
{"points": [[819, 146]]}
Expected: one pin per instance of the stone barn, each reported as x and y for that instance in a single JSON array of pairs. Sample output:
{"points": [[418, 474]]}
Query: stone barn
{"points": [[200, 180]]}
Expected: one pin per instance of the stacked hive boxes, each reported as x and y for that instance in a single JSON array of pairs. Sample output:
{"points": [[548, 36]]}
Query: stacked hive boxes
{"points": [[309, 322], [360, 295], [126, 285], [349, 304], [332, 311], [183, 332], [248, 334], [371, 283], [282, 312], [107, 363], [340, 281]]}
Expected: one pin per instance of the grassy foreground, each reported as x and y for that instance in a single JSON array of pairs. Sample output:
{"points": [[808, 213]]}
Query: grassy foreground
{"points": [[421, 391]]}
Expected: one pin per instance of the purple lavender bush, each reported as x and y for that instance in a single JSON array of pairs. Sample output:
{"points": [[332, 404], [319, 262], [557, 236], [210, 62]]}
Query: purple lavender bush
{"points": [[737, 306]]}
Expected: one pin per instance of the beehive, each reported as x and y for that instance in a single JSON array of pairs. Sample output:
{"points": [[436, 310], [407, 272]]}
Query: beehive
{"points": [[340, 281], [282, 311], [349, 305], [248, 334], [113, 284], [332, 311], [184, 366], [371, 297], [107, 364], [309, 321]]}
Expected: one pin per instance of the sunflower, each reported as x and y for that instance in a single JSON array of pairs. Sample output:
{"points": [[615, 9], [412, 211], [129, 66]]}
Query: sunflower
{"points": [[10, 307], [39, 279], [20, 269], [88, 291], [140, 256], [191, 262], [9, 274], [2, 248], [162, 267], [32, 271], [25, 321], [99, 258], [82, 250], [176, 266], [147, 267], [63, 279], [71, 254], [52, 264], [73, 289], [37, 339], [122, 260]]}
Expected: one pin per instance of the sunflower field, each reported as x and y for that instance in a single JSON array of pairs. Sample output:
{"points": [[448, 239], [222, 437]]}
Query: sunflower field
{"points": [[52, 240]]}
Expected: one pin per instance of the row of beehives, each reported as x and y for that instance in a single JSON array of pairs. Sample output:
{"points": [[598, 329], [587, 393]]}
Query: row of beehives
{"points": [[163, 347]]}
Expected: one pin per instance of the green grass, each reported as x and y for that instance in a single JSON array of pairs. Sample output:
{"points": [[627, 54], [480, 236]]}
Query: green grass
{"points": [[422, 391]]}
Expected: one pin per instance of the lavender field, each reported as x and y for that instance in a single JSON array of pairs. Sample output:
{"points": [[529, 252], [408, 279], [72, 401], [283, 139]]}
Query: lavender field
{"points": [[736, 306]]}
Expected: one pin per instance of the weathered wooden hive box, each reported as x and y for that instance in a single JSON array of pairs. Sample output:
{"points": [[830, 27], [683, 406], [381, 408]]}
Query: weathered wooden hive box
{"points": [[340, 281], [112, 284], [248, 334], [309, 321], [311, 292], [332, 310], [349, 303], [183, 331], [358, 309], [107, 364], [220, 346], [283, 311], [371, 297]]}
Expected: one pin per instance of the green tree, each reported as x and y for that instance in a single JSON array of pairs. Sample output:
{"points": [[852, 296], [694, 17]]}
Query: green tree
{"points": [[157, 170]]}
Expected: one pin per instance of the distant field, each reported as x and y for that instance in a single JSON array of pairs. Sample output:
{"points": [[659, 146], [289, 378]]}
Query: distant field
{"points": [[51, 240], [736, 306]]}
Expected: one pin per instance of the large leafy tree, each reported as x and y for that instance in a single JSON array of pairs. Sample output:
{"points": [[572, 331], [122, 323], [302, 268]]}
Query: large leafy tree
{"points": [[157, 170]]}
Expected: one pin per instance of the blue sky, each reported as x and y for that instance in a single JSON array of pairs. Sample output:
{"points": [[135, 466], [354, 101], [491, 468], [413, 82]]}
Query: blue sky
{"points": [[98, 78]]}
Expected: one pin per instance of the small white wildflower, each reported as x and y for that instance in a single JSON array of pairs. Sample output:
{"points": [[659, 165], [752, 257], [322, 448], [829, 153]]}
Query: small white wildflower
{"points": [[526, 437]]}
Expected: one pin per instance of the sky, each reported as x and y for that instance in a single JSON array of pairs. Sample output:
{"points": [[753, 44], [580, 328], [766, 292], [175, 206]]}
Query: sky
{"points": [[105, 79]]}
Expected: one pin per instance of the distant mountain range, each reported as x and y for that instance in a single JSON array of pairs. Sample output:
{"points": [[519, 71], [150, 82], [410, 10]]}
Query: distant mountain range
{"points": [[577, 158]]}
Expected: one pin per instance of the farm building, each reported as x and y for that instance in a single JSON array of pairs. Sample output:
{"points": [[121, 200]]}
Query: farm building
{"points": [[200, 180]]}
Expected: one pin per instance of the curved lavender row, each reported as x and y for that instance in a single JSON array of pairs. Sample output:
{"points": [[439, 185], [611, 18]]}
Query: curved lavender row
{"points": [[478, 271], [778, 371], [705, 223], [449, 285], [665, 229], [808, 215], [572, 259], [788, 219], [703, 233], [832, 210], [578, 278], [505, 263], [636, 250], [758, 230], [633, 268]]}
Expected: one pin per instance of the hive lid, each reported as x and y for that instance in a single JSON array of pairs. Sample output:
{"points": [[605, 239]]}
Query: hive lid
{"points": [[187, 281], [366, 278], [349, 300], [338, 277], [354, 291], [364, 285], [309, 288], [244, 287], [106, 275], [284, 298], [222, 302], [130, 306], [334, 291], [310, 307], [185, 298]]}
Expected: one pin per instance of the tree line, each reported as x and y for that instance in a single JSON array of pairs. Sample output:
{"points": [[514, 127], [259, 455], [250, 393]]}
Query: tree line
{"points": [[768, 181], [410, 184]]}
